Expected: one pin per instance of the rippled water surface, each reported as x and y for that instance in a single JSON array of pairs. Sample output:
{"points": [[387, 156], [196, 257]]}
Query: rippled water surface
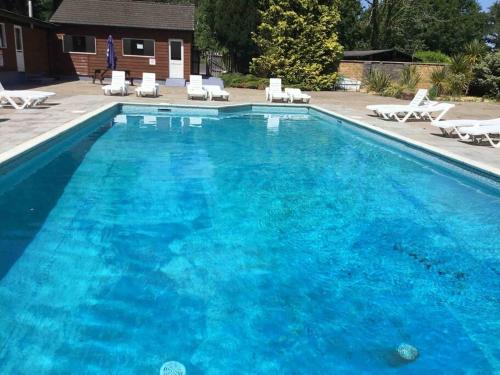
{"points": [[246, 244]]}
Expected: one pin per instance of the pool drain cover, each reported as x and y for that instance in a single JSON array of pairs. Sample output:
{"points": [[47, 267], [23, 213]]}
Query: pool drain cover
{"points": [[172, 368]]}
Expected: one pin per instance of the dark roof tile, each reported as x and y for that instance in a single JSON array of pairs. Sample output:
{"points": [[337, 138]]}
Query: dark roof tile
{"points": [[125, 13]]}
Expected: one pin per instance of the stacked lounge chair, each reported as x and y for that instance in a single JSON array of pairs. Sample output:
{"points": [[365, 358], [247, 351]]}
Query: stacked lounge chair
{"points": [[275, 92], [215, 92], [297, 95]]}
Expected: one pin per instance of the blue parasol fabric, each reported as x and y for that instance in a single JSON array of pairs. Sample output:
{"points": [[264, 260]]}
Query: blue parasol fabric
{"points": [[110, 54]]}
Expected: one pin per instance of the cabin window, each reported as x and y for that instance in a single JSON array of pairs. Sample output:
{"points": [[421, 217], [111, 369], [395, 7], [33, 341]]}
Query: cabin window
{"points": [[138, 47], [3, 39], [78, 44]]}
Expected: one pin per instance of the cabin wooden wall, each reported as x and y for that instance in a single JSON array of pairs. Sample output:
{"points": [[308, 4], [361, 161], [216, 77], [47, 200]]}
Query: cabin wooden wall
{"points": [[84, 64], [36, 44]]}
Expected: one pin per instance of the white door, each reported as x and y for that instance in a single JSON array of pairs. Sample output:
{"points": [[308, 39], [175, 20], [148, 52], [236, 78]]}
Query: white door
{"points": [[18, 37], [176, 58]]}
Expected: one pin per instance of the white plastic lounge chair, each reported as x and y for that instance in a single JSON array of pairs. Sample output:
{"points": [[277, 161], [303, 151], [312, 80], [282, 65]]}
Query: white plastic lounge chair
{"points": [[450, 127], [297, 95], [195, 88], [148, 85], [419, 112], [384, 110], [274, 91], [118, 84], [21, 99], [215, 92], [479, 132], [457, 127]]}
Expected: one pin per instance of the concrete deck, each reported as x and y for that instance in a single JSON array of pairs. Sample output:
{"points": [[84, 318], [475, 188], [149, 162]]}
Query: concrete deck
{"points": [[77, 98]]}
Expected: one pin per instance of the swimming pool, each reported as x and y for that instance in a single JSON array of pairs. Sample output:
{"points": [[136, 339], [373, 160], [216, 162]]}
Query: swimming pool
{"points": [[259, 240]]}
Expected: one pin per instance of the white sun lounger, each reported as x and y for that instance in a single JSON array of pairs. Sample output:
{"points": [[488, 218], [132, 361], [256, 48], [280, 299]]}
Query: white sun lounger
{"points": [[118, 84], [195, 88], [22, 99], [419, 112], [148, 85], [450, 127], [483, 130], [215, 92], [274, 91], [386, 110], [297, 95]]}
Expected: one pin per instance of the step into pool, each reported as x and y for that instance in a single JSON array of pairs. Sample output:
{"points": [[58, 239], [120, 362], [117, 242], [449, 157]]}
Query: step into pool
{"points": [[251, 240]]}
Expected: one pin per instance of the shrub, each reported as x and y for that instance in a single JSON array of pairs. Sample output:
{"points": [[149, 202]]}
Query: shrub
{"points": [[475, 51], [247, 81], [410, 77], [378, 81], [438, 79], [487, 76], [456, 84], [433, 93], [298, 41], [394, 90], [459, 75], [432, 57]]}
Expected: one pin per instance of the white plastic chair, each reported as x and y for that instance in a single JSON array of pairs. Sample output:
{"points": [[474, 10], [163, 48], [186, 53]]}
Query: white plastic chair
{"points": [[148, 85], [274, 91], [118, 84], [195, 88]]}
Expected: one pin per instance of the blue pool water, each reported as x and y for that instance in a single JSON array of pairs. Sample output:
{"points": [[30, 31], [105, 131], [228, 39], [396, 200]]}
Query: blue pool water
{"points": [[246, 243]]}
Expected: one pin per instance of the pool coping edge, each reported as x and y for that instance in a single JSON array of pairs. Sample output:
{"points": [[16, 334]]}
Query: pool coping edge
{"points": [[21, 149]]}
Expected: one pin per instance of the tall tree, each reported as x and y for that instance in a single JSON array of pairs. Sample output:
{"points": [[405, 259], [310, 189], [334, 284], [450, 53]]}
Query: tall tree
{"points": [[228, 24], [493, 37], [297, 40], [451, 24], [348, 28], [445, 25]]}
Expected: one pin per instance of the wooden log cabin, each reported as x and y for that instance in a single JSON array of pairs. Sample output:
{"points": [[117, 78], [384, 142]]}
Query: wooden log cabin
{"points": [[148, 37], [24, 46]]}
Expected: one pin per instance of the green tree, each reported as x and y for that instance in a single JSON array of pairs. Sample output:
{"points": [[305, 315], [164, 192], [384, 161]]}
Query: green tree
{"points": [[348, 28], [451, 24], [493, 37], [228, 25], [411, 25], [487, 76], [298, 42]]}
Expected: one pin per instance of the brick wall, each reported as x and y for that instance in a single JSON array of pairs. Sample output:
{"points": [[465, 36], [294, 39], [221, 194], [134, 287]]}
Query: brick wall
{"points": [[85, 64], [360, 69]]}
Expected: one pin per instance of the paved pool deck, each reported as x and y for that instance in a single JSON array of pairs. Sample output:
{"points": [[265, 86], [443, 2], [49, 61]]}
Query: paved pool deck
{"points": [[76, 98]]}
